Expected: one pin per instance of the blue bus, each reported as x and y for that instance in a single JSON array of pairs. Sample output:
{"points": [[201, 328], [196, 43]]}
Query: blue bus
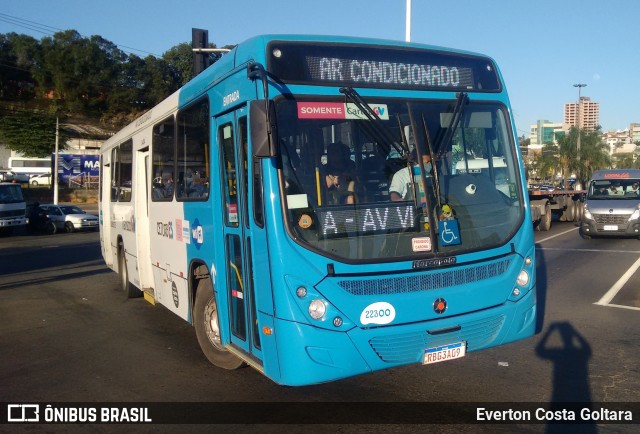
{"points": [[324, 207]]}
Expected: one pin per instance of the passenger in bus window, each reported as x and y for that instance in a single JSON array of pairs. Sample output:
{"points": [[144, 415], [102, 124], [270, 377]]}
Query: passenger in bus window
{"points": [[400, 188], [338, 177], [162, 187], [195, 186]]}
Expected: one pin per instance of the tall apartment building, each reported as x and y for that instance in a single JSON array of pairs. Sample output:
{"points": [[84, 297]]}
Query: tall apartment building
{"points": [[585, 114]]}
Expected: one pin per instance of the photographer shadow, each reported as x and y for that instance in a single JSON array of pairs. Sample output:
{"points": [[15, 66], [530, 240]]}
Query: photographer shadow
{"points": [[569, 352]]}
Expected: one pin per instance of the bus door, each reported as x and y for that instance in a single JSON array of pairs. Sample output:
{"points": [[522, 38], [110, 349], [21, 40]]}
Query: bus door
{"points": [[105, 210], [140, 223], [231, 130]]}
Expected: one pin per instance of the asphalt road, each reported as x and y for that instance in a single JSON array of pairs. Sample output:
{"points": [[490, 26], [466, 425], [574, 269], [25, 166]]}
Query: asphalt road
{"points": [[66, 335]]}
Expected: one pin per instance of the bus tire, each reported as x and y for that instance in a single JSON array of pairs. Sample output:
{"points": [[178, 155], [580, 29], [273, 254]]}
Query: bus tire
{"points": [[125, 285], [545, 221], [207, 324]]}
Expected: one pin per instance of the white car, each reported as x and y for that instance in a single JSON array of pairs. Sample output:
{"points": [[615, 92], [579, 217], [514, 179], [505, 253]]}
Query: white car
{"points": [[41, 179], [70, 217]]}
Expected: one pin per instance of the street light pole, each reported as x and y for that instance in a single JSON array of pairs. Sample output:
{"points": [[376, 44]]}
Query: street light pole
{"points": [[579, 113], [407, 36]]}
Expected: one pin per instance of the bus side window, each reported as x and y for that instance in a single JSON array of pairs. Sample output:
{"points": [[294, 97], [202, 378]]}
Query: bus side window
{"points": [[193, 152], [226, 140], [125, 171], [162, 152]]}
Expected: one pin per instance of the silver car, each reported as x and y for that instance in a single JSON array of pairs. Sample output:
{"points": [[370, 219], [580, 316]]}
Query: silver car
{"points": [[70, 217], [612, 207]]}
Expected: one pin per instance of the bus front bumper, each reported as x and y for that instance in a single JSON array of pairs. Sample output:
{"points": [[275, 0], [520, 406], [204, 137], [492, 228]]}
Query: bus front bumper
{"points": [[310, 355]]}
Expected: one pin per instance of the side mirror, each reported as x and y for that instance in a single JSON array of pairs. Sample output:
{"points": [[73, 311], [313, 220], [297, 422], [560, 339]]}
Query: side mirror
{"points": [[262, 128]]}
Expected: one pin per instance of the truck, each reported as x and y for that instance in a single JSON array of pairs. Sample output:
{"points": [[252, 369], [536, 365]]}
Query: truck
{"points": [[546, 202], [12, 207]]}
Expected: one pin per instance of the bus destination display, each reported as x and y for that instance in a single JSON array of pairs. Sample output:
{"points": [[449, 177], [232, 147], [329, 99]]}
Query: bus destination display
{"points": [[348, 221], [386, 67]]}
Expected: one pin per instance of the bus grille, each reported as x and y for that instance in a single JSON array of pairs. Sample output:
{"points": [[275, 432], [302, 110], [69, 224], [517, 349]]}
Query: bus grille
{"points": [[409, 348], [611, 219], [425, 281]]}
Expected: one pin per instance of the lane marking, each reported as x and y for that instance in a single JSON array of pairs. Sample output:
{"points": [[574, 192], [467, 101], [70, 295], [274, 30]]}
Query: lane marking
{"points": [[621, 306], [613, 291], [557, 235]]}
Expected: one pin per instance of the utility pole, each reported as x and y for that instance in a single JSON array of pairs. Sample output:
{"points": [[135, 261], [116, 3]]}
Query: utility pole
{"points": [[55, 165]]}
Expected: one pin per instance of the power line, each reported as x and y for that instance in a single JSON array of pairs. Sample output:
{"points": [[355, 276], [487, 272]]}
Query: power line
{"points": [[31, 25], [48, 30]]}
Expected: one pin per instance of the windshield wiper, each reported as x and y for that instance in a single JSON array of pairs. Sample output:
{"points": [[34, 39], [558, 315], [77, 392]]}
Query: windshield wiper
{"points": [[463, 100], [378, 129]]}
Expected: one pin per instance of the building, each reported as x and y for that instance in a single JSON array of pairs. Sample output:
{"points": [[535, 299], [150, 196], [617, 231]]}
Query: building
{"points": [[585, 114], [543, 132], [73, 146], [619, 142], [634, 133]]}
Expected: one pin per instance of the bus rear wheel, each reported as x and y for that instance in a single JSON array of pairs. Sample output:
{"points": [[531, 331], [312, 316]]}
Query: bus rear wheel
{"points": [[207, 324]]}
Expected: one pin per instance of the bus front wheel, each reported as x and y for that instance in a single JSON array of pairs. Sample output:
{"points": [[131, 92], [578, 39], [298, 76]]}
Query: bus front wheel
{"points": [[207, 324]]}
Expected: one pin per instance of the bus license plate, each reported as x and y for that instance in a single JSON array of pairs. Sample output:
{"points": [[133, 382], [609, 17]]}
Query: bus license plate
{"points": [[444, 353], [610, 227]]}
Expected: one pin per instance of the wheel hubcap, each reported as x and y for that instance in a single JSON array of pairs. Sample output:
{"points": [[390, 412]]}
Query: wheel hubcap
{"points": [[211, 324]]}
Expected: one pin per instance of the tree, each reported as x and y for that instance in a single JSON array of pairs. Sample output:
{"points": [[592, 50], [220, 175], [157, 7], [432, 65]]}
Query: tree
{"points": [[545, 164], [87, 77], [17, 54], [180, 58], [623, 160], [33, 134], [594, 154]]}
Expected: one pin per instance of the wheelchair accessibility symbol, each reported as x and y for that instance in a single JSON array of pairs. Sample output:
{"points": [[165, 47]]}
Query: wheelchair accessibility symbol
{"points": [[448, 232]]}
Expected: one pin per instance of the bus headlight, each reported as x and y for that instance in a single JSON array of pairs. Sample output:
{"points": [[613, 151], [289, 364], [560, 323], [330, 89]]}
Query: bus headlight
{"points": [[317, 309], [523, 278]]}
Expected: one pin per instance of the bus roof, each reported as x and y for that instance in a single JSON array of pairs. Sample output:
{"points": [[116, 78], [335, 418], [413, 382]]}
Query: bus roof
{"points": [[255, 50]]}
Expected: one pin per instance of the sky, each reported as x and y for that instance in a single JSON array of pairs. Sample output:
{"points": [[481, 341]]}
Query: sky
{"points": [[542, 47]]}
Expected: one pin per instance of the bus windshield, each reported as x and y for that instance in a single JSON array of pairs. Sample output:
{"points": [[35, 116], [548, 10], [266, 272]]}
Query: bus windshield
{"points": [[353, 189]]}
